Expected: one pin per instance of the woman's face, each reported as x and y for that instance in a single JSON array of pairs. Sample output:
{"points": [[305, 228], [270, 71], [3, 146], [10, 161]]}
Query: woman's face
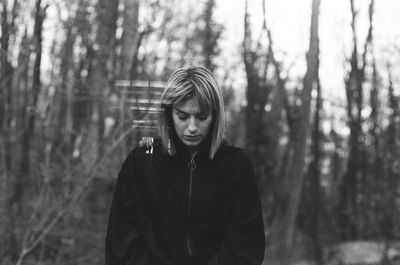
{"points": [[191, 124]]}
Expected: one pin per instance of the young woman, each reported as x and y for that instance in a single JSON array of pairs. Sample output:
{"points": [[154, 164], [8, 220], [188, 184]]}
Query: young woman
{"points": [[188, 198]]}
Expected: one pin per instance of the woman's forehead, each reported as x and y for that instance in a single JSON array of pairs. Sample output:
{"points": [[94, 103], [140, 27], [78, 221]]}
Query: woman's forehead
{"points": [[192, 105]]}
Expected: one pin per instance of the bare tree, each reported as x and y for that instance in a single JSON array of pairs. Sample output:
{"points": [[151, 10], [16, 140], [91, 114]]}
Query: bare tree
{"points": [[82, 98], [313, 193], [23, 181], [212, 31], [130, 42], [130, 37], [101, 74], [310, 82], [388, 223], [63, 101], [354, 85], [256, 97], [283, 231], [7, 113]]}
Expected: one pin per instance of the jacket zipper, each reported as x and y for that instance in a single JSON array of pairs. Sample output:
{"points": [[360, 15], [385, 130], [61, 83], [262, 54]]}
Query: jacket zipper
{"points": [[192, 167]]}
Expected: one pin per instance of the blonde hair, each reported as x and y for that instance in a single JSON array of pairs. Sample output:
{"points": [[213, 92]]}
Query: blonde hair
{"points": [[186, 83]]}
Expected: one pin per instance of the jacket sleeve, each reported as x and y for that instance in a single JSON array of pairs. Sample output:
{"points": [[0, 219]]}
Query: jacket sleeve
{"points": [[124, 240], [244, 241]]}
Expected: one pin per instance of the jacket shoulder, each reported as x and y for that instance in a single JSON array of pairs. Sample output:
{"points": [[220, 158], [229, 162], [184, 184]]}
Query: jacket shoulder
{"points": [[232, 153]]}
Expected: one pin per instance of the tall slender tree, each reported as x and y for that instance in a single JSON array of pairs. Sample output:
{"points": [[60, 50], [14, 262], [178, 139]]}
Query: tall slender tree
{"points": [[7, 112], [211, 32], [101, 74], [389, 225], [256, 97], [312, 212], [354, 85], [82, 98], [130, 43], [285, 225], [310, 81], [24, 183], [7, 115], [62, 132]]}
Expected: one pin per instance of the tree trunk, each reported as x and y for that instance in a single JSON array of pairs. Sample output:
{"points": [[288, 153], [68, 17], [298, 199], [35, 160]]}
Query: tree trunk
{"points": [[130, 36], [256, 96], [390, 229], [102, 66], [6, 78], [24, 182], [211, 36], [350, 186], [310, 81], [130, 42], [82, 98], [60, 143], [283, 232], [4, 65], [315, 174], [273, 184], [7, 115]]}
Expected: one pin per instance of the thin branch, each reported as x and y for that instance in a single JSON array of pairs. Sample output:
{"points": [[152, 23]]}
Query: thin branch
{"points": [[368, 40], [281, 82]]}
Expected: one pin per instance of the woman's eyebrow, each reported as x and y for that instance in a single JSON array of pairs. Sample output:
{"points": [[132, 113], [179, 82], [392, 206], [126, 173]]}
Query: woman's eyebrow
{"points": [[183, 112]]}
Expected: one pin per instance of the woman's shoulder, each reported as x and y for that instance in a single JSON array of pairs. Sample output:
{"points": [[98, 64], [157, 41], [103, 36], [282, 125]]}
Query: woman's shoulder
{"points": [[228, 151], [234, 163]]}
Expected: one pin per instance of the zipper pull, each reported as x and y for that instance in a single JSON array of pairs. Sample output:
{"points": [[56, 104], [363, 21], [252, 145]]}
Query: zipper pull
{"points": [[192, 164]]}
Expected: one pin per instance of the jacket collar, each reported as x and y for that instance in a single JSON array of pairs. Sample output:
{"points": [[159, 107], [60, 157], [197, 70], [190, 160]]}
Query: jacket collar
{"points": [[182, 152]]}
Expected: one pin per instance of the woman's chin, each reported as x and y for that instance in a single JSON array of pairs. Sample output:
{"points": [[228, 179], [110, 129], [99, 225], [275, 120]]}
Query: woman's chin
{"points": [[191, 143]]}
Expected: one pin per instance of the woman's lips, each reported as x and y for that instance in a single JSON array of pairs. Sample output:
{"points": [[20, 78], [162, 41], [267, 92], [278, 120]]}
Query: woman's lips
{"points": [[191, 138]]}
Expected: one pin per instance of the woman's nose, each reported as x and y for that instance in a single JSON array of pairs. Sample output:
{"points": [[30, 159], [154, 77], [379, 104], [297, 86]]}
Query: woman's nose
{"points": [[192, 126]]}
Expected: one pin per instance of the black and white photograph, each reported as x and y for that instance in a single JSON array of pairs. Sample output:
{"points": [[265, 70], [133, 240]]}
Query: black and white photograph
{"points": [[200, 132]]}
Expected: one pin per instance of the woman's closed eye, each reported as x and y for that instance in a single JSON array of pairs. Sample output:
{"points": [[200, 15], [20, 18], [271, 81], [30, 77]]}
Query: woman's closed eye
{"points": [[182, 116], [203, 116]]}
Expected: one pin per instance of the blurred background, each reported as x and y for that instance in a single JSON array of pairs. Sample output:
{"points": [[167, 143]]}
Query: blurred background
{"points": [[311, 89]]}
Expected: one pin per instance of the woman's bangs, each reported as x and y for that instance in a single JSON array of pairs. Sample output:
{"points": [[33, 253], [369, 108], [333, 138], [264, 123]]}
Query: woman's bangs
{"points": [[204, 103], [179, 94], [204, 97]]}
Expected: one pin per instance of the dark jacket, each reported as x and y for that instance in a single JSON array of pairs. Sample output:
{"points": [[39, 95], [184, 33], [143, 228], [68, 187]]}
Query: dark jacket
{"points": [[169, 211]]}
